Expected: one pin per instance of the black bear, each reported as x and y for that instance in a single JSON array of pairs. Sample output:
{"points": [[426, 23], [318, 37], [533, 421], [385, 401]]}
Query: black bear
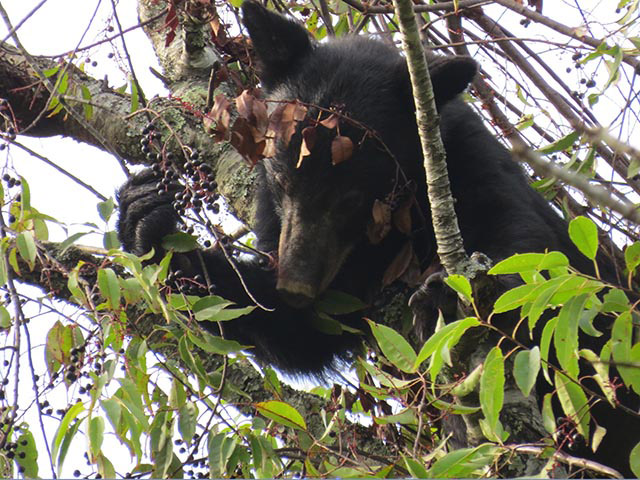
{"points": [[316, 214]]}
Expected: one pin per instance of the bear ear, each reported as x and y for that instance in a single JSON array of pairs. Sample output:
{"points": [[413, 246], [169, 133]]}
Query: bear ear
{"points": [[450, 75], [279, 43]]}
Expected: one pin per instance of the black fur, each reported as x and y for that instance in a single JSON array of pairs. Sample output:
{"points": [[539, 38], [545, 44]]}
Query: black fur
{"points": [[322, 211]]}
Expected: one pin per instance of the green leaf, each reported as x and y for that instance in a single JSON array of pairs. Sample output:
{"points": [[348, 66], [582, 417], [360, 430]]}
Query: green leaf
{"points": [[394, 347], [214, 309], [460, 284], [334, 302], [545, 345], [213, 344], [416, 470], [86, 106], [180, 242], [463, 462], [615, 300], [109, 287], [5, 317], [523, 262], [220, 448], [282, 413], [27, 454], [574, 403], [135, 100], [106, 208], [621, 339], [548, 417], [601, 367], [560, 144], [187, 419], [71, 415], [526, 367], [469, 384], [27, 248], [565, 338], [584, 234], [492, 387], [110, 240], [96, 435], [632, 256], [634, 460], [70, 240], [447, 336], [514, 298]]}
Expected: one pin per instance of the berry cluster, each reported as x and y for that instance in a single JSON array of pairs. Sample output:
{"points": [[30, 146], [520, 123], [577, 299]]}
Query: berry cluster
{"points": [[11, 181]]}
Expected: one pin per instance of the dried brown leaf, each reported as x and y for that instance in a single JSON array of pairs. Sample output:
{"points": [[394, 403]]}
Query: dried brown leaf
{"points": [[341, 149], [399, 264], [244, 141], [283, 120], [309, 135], [330, 122], [380, 222]]}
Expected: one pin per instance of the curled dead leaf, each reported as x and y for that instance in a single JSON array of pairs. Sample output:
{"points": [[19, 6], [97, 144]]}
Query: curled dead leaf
{"points": [[341, 149], [284, 119], [309, 135], [330, 122], [380, 223], [399, 265]]}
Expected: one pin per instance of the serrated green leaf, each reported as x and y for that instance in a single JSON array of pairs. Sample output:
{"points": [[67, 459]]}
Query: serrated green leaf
{"points": [[524, 262], [460, 284], [27, 248], [574, 403], [545, 344], [492, 387], [584, 234], [214, 344], [514, 298], [632, 256], [615, 300], [282, 413], [70, 240], [135, 100], [548, 417], [565, 338], [71, 415], [109, 287], [560, 145], [220, 448], [187, 419], [110, 240], [394, 347], [448, 335], [96, 435], [623, 353], [463, 462], [106, 208], [416, 470], [526, 367]]}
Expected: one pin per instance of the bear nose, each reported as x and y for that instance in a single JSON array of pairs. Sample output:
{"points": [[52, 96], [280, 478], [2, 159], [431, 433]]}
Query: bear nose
{"points": [[296, 294]]}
